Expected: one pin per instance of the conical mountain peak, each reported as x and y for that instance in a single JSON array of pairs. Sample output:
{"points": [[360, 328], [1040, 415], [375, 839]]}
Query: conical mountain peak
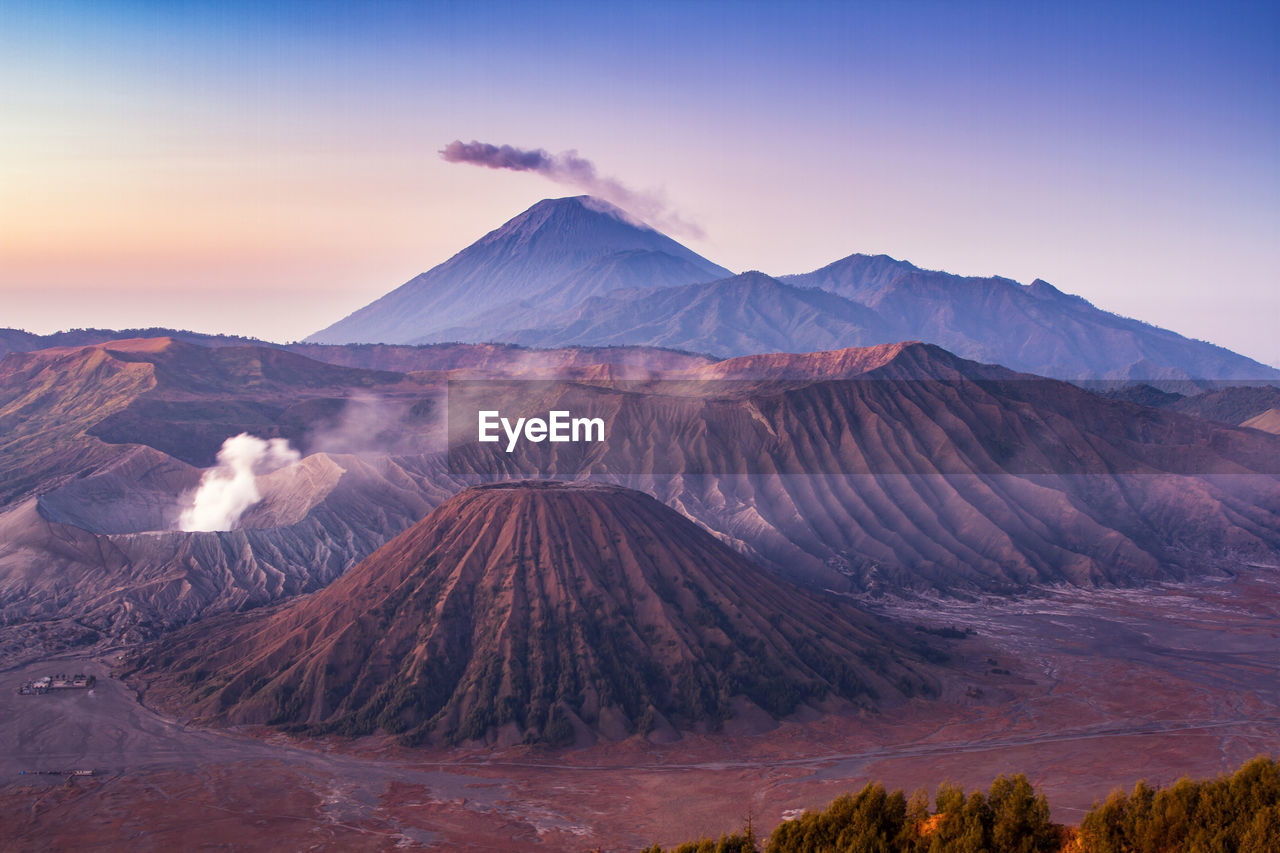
{"points": [[525, 262], [542, 612]]}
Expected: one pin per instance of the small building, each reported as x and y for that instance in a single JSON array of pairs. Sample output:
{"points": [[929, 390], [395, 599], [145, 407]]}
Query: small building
{"points": [[61, 681]]}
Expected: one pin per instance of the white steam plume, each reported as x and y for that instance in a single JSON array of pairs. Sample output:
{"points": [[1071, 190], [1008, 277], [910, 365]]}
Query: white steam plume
{"points": [[225, 492], [570, 169]]}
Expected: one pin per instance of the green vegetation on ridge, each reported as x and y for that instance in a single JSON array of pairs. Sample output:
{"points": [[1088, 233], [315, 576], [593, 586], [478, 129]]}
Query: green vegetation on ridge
{"points": [[1233, 814]]}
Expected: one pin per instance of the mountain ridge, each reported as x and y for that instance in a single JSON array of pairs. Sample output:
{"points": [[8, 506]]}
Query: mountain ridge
{"points": [[893, 468], [741, 315], [1035, 328], [548, 278]]}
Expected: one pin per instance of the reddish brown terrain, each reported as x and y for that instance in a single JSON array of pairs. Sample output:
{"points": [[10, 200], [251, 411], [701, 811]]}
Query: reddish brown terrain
{"points": [[895, 475], [863, 470], [540, 612], [1082, 690]]}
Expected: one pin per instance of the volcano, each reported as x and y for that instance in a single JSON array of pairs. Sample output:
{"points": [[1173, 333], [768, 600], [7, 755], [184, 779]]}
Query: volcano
{"points": [[540, 612], [556, 250]]}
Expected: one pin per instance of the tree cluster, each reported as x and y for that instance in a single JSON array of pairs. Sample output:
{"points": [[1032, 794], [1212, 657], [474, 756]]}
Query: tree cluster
{"points": [[1011, 816], [1234, 814]]}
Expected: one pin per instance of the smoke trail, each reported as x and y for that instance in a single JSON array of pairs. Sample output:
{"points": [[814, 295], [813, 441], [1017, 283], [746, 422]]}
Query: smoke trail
{"points": [[369, 424], [225, 492], [570, 169]]}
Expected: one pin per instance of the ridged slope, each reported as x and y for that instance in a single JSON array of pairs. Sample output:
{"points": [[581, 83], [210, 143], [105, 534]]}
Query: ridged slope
{"points": [[538, 611], [316, 521], [919, 469], [48, 401]]}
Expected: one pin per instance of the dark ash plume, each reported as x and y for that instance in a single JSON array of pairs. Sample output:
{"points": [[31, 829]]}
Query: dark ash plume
{"points": [[496, 156], [570, 169]]}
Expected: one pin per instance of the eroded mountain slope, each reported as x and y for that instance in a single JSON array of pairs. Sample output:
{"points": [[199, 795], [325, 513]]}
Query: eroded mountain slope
{"points": [[540, 612]]}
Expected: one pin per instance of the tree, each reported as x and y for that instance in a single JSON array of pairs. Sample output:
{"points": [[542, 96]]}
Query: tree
{"points": [[1020, 817]]}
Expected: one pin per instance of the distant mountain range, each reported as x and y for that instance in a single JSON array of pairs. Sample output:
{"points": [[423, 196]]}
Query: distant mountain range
{"points": [[578, 271]]}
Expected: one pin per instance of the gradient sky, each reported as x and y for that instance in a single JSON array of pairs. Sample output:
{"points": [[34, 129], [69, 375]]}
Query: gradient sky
{"points": [[266, 168]]}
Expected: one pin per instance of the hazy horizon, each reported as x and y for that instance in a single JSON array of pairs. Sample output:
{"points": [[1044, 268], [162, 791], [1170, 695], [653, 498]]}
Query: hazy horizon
{"points": [[266, 170]]}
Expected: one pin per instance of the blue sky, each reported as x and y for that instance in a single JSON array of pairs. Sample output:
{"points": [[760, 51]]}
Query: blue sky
{"points": [[266, 168]]}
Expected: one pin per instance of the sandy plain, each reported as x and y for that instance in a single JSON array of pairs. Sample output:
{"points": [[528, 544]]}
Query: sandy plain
{"points": [[1081, 690]]}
